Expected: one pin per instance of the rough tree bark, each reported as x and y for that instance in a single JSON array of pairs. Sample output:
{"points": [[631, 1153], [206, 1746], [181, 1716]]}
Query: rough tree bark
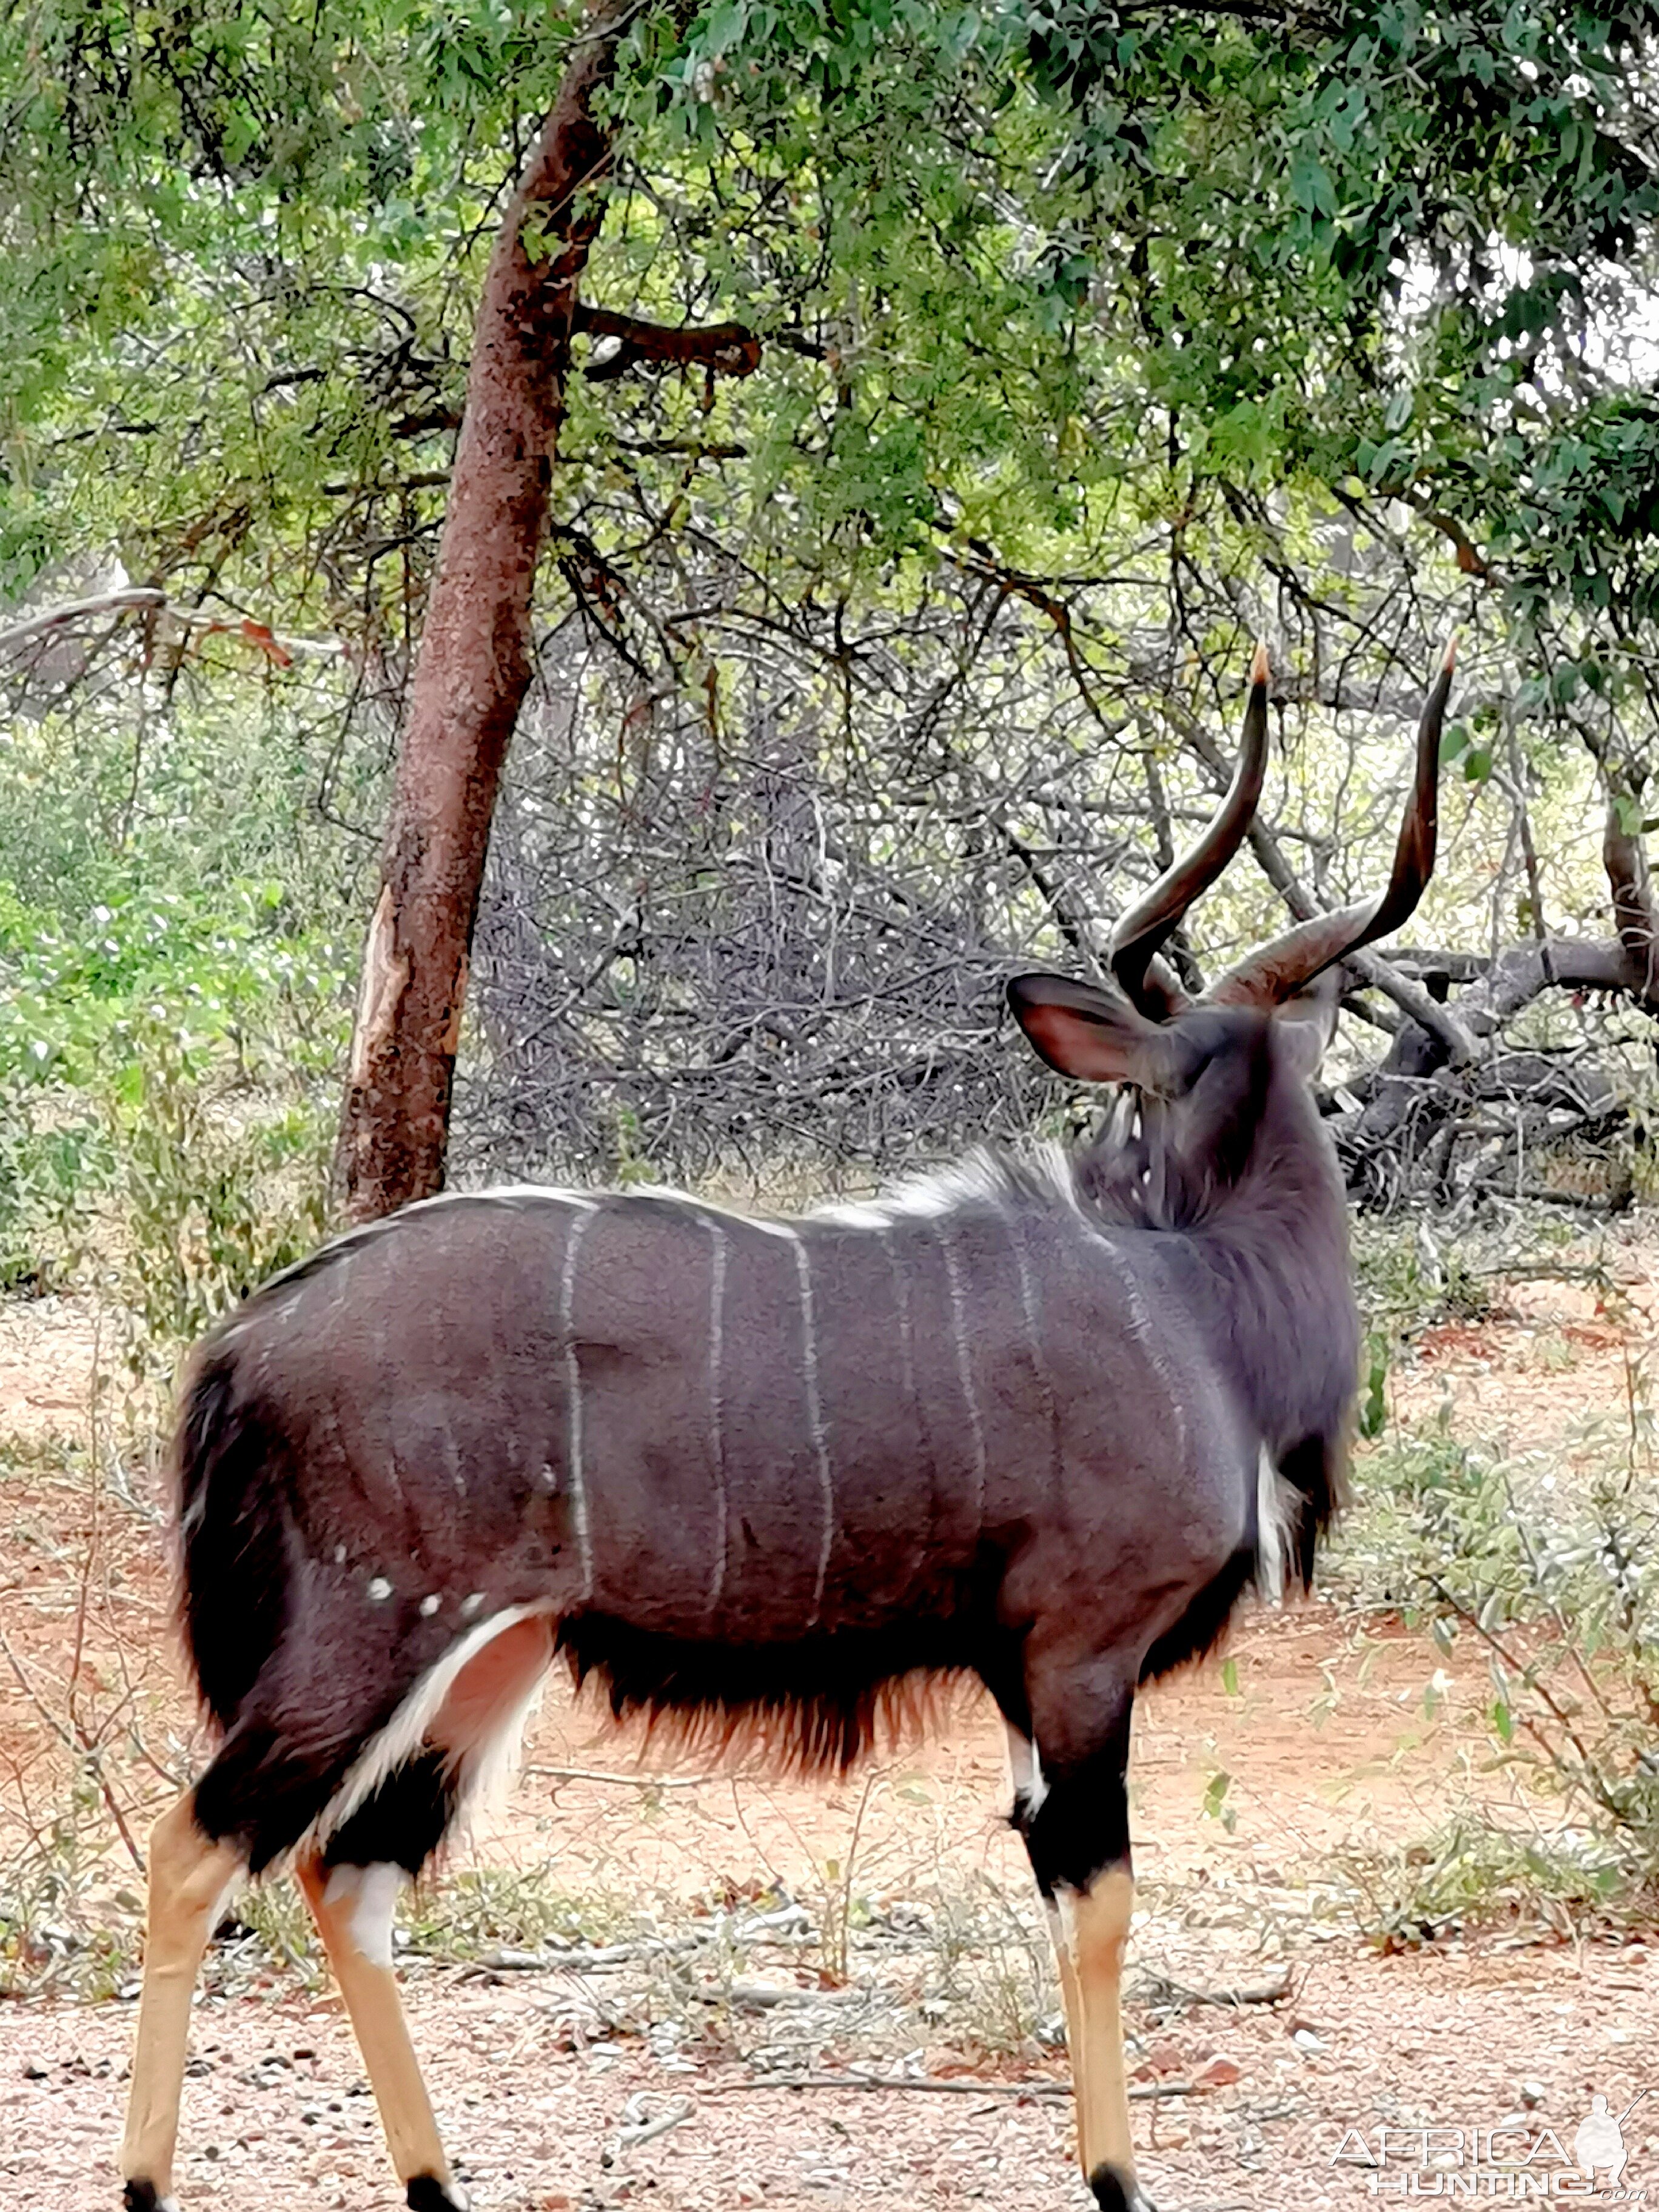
{"points": [[474, 666], [475, 662]]}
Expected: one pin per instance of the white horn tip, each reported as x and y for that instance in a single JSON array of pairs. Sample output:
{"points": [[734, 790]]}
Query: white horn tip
{"points": [[1448, 658], [1259, 670]]}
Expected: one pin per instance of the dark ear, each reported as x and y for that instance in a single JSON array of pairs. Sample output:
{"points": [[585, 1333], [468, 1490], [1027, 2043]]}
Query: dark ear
{"points": [[1304, 1025], [1090, 1034]]}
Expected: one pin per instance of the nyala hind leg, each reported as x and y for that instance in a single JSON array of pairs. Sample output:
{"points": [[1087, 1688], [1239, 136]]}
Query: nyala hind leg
{"points": [[352, 1907], [191, 1876], [351, 1886]]}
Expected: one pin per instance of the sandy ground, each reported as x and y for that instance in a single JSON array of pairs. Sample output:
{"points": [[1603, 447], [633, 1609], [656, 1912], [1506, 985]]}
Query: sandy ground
{"points": [[277, 2111], [1334, 1735]]}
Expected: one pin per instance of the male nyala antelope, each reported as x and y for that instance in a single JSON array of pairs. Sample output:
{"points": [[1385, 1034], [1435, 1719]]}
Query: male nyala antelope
{"points": [[1041, 1420]]}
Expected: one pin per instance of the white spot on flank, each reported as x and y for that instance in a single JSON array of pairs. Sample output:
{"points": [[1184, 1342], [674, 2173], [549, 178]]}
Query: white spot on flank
{"points": [[470, 1603], [809, 1337], [372, 1892], [339, 1555], [965, 1368], [456, 1472], [430, 1606], [380, 1590], [572, 1377], [717, 1433]]}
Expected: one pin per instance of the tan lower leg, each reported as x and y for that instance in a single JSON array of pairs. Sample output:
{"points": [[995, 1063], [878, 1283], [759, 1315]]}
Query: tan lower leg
{"points": [[370, 1992], [189, 1877], [1068, 1991], [1097, 1929]]}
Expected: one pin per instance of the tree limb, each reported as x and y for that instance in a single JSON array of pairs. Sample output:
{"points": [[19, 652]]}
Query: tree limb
{"points": [[723, 348], [131, 598], [1626, 864]]}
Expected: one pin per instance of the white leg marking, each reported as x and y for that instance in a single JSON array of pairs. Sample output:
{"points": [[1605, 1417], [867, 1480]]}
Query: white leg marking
{"points": [[1022, 1759], [1025, 1768], [717, 1436], [809, 1337], [573, 1376], [1278, 1506], [407, 1731], [374, 1888], [487, 1762], [964, 1365]]}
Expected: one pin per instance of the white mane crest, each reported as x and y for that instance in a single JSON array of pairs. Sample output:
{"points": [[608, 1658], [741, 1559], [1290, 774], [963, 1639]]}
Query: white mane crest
{"points": [[1040, 1171]]}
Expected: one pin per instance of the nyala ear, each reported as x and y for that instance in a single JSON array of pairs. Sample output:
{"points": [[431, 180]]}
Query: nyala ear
{"points": [[1304, 1025], [1090, 1034]]}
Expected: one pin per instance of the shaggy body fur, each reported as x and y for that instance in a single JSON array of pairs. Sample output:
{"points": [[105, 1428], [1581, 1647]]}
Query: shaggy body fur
{"points": [[1017, 1409]]}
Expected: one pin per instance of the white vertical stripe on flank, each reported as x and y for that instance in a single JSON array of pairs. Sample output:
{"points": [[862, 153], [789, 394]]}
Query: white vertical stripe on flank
{"points": [[902, 1303], [809, 1337], [717, 1430], [964, 1365], [1140, 1328], [1032, 1311], [573, 1376]]}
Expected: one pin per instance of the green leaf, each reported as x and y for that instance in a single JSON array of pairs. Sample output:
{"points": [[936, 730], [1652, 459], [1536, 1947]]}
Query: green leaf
{"points": [[1310, 185]]}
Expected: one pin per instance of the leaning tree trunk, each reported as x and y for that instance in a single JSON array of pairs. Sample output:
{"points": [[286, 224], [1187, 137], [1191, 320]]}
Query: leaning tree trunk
{"points": [[475, 660]]}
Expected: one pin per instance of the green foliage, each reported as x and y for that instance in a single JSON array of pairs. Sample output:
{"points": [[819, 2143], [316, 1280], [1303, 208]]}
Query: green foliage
{"points": [[1554, 1585], [1013, 264], [1473, 1872], [490, 1908], [217, 1184], [170, 1035]]}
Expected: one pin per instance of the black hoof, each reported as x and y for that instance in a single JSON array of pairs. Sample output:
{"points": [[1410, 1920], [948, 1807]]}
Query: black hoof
{"points": [[1117, 2191], [141, 2196], [426, 2193]]}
